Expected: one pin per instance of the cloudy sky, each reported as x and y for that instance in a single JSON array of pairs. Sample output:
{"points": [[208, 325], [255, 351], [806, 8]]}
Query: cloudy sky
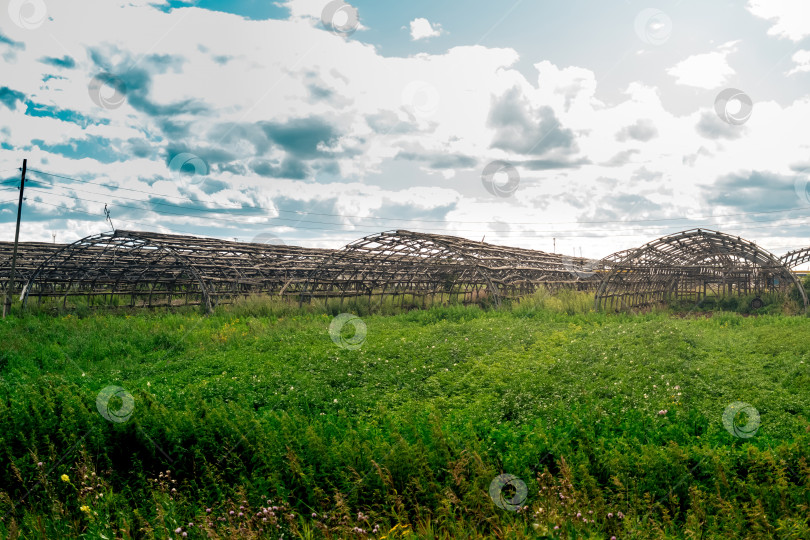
{"points": [[602, 125]]}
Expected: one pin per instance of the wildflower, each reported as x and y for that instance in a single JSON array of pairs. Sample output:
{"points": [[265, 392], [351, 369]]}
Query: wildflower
{"points": [[231, 512], [314, 515], [178, 530], [610, 515], [85, 508], [240, 514], [40, 464], [65, 478], [662, 412], [208, 510], [621, 516]]}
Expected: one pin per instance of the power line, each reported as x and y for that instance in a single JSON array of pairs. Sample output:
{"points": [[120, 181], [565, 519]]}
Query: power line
{"points": [[124, 220], [174, 230], [166, 212], [685, 218], [531, 234], [489, 231]]}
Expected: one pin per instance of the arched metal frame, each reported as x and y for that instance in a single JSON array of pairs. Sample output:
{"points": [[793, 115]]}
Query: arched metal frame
{"points": [[421, 268], [794, 258], [29, 256], [691, 265], [153, 269]]}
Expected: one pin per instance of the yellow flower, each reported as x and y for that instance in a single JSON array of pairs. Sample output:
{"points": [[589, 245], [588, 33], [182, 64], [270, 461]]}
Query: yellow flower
{"points": [[65, 478], [85, 508]]}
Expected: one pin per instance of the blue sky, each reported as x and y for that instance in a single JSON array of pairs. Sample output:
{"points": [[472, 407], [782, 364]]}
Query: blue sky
{"points": [[241, 118]]}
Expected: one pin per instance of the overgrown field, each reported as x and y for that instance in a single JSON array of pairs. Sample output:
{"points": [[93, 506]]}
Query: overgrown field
{"points": [[255, 423]]}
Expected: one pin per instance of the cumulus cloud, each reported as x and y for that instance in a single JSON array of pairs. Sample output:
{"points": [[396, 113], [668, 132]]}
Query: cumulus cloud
{"points": [[422, 28], [789, 18], [642, 130], [708, 70], [802, 60], [290, 117]]}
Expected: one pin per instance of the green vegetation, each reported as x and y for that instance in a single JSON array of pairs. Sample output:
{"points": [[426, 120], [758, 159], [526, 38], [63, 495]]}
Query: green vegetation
{"points": [[613, 421]]}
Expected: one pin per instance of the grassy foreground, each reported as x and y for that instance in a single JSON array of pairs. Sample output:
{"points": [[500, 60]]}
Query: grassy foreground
{"points": [[256, 424]]}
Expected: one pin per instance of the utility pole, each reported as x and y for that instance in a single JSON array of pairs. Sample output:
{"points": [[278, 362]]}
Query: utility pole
{"points": [[555, 245], [10, 286]]}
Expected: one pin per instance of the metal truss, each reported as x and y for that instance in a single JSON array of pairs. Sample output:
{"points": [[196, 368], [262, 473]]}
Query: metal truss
{"points": [[691, 265], [416, 268]]}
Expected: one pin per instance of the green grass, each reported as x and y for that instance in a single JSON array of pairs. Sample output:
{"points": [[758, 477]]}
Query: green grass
{"points": [[257, 403]]}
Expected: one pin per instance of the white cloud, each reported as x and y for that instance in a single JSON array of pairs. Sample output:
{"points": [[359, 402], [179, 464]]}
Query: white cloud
{"points": [[790, 18], [708, 70], [421, 28], [802, 61], [432, 107]]}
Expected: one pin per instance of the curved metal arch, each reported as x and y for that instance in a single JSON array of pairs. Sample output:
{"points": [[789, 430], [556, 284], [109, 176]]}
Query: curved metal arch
{"points": [[794, 258], [400, 262], [393, 262], [655, 271], [52, 264], [29, 256]]}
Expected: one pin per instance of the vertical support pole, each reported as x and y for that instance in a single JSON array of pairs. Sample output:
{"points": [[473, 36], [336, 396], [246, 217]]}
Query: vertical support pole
{"points": [[10, 288]]}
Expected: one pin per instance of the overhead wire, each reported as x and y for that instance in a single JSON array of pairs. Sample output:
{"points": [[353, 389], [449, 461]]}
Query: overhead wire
{"points": [[612, 231], [684, 218]]}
